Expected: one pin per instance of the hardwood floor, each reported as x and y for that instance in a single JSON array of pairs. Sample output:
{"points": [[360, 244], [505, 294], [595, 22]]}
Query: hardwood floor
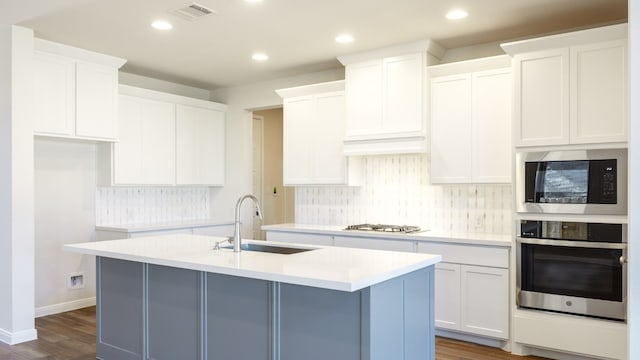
{"points": [[72, 336]]}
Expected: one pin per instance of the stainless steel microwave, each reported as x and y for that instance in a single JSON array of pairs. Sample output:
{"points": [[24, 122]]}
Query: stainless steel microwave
{"points": [[572, 182]]}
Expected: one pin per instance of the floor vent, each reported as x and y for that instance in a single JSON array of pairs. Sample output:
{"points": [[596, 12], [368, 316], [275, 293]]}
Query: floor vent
{"points": [[193, 12]]}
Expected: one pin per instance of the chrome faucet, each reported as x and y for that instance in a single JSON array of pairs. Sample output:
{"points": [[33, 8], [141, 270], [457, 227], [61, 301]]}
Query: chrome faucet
{"points": [[237, 240]]}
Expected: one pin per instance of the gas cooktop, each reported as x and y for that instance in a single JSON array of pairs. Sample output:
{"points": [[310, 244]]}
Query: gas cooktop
{"points": [[384, 228]]}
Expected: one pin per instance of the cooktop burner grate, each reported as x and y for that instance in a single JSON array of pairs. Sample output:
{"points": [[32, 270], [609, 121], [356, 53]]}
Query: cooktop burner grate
{"points": [[384, 228]]}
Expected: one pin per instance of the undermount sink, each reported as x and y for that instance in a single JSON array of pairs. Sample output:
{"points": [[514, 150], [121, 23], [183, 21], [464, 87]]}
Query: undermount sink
{"points": [[270, 249]]}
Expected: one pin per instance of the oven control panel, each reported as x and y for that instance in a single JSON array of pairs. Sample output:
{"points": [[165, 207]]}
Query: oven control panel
{"points": [[576, 231]]}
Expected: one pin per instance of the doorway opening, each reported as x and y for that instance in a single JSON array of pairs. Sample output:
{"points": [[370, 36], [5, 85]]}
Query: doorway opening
{"points": [[277, 200]]}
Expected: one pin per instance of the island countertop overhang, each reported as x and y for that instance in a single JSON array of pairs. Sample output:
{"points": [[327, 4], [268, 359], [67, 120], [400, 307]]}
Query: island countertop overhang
{"points": [[343, 269]]}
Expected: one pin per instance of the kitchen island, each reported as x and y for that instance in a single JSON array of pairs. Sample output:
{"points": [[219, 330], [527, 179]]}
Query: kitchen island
{"points": [[175, 297]]}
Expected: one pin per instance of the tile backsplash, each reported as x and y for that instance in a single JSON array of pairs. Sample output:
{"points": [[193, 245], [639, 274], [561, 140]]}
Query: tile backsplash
{"points": [[146, 205], [395, 189]]}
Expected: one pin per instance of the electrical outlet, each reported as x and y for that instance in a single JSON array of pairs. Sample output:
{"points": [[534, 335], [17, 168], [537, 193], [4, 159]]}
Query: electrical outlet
{"points": [[479, 221], [75, 281]]}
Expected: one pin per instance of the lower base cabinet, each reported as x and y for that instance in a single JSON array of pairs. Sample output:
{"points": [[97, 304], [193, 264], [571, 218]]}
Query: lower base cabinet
{"points": [[472, 299], [152, 312], [472, 282]]}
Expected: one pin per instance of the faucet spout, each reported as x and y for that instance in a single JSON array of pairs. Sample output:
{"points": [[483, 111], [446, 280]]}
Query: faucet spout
{"points": [[237, 239]]}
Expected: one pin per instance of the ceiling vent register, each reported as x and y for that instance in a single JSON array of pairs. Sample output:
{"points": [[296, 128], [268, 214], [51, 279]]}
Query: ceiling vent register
{"points": [[193, 12]]}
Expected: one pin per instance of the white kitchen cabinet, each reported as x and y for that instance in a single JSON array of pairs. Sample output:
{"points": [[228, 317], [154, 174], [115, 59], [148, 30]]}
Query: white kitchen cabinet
{"points": [[485, 301], [599, 93], [447, 296], [199, 146], [76, 92], [472, 288], [145, 153], [364, 96], [471, 123], [313, 133], [300, 238], [54, 94], [491, 119], [134, 231], [451, 129], [165, 139], [541, 98], [96, 101], [385, 99], [373, 243], [571, 88]]}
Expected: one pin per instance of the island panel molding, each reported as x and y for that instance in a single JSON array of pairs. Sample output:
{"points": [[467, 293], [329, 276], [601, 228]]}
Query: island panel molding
{"points": [[151, 311]]}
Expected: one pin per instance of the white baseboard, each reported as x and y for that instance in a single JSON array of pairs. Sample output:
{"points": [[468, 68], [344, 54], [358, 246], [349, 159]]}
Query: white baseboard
{"points": [[65, 306], [18, 337]]}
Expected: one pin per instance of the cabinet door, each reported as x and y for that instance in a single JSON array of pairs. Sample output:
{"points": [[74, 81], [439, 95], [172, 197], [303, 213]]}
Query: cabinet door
{"points": [[314, 157], [298, 137], [599, 93], [451, 129], [485, 301], [199, 146], [145, 152], [96, 101], [491, 127], [403, 94], [120, 309], [364, 98], [330, 164], [541, 84], [447, 296], [54, 94]]}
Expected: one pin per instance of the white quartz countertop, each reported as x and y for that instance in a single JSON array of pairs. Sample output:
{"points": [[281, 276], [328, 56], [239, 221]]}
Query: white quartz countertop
{"points": [[335, 268], [428, 235], [131, 228]]}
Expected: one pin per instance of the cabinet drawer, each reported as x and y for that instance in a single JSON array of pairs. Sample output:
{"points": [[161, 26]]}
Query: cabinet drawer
{"points": [[468, 254], [374, 243], [298, 238]]}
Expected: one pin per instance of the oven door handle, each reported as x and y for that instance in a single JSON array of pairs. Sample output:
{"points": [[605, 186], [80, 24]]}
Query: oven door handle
{"points": [[568, 243]]}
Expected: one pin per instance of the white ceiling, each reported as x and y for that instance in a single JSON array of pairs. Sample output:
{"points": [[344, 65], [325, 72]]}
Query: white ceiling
{"points": [[214, 51]]}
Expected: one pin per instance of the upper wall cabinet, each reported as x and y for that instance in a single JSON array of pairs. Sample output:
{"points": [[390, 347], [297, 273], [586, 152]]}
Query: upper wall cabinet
{"points": [[75, 92], [165, 139], [199, 145], [571, 88], [313, 134], [471, 121], [386, 99]]}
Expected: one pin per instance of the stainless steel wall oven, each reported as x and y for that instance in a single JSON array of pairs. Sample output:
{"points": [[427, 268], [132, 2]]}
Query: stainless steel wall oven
{"points": [[572, 267]]}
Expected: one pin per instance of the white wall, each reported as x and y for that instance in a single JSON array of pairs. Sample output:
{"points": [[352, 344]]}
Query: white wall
{"points": [[634, 196], [65, 188], [241, 101], [5, 180], [16, 186]]}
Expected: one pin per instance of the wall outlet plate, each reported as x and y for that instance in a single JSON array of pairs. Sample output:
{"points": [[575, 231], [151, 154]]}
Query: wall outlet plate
{"points": [[75, 281]]}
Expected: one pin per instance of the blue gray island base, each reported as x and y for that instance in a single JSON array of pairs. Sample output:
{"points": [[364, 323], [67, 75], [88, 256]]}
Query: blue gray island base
{"points": [[147, 311]]}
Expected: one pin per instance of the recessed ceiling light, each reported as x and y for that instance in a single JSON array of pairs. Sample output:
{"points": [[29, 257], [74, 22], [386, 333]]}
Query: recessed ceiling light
{"points": [[161, 25], [457, 14], [344, 38], [260, 57]]}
